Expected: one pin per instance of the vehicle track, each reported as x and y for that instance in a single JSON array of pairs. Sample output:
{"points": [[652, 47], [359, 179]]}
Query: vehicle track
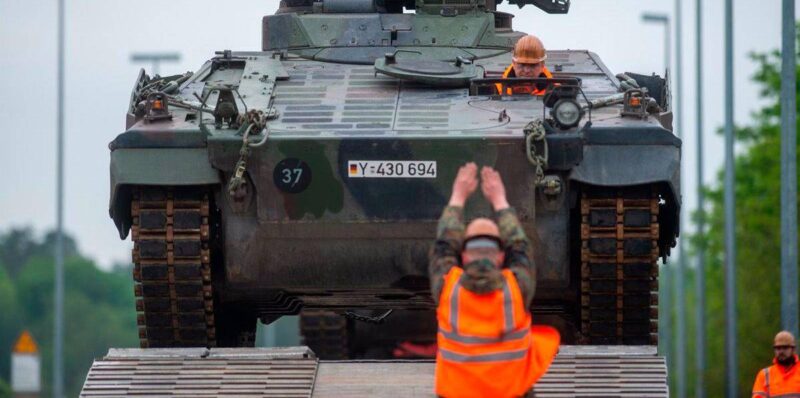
{"points": [[619, 266], [172, 267]]}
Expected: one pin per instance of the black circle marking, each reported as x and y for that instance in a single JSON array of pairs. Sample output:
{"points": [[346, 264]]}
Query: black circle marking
{"points": [[292, 175]]}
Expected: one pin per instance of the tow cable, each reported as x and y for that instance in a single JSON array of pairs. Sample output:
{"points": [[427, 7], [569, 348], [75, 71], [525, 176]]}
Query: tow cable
{"points": [[254, 120], [535, 133]]}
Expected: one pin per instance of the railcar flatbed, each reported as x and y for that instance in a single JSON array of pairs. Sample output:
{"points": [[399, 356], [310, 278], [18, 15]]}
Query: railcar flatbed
{"points": [[578, 371]]}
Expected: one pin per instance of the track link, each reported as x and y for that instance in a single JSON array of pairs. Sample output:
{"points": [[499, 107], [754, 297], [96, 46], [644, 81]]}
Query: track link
{"points": [[325, 332], [172, 267], [619, 266]]}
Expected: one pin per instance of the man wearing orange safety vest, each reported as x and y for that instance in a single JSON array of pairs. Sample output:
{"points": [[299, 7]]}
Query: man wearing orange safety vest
{"points": [[483, 280], [782, 379], [527, 61]]}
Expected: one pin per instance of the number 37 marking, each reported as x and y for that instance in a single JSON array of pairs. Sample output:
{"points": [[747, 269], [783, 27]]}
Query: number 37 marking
{"points": [[291, 176]]}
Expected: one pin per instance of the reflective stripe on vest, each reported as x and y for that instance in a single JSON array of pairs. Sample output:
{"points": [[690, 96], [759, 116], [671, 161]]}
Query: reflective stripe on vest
{"points": [[766, 380], [500, 356], [454, 307], [509, 334], [519, 337], [515, 335], [485, 350], [779, 383], [508, 308]]}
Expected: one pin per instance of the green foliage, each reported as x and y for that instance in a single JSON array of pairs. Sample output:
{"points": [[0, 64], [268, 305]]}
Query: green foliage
{"points": [[98, 307], [9, 323], [15, 249], [5, 389], [18, 244], [758, 235]]}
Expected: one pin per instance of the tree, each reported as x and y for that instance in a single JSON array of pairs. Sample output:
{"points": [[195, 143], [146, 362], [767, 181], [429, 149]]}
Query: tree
{"points": [[99, 313], [9, 324], [757, 232], [19, 244], [99, 308], [16, 246], [5, 389]]}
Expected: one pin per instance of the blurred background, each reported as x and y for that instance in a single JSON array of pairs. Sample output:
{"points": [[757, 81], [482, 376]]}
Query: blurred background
{"points": [[101, 37]]}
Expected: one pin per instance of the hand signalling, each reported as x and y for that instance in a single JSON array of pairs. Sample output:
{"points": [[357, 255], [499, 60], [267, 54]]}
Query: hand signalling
{"points": [[466, 183], [493, 189]]}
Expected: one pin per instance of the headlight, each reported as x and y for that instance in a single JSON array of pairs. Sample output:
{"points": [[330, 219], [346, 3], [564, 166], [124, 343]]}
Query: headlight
{"points": [[567, 113]]}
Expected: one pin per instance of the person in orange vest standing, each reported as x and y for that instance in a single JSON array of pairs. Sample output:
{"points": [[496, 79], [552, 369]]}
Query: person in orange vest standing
{"points": [[528, 60], [782, 379], [483, 280]]}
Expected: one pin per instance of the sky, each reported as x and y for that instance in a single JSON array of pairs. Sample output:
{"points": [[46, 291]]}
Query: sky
{"points": [[102, 34]]}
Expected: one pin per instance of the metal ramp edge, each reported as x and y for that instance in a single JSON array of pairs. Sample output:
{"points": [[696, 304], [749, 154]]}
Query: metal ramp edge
{"points": [[605, 371], [578, 371], [199, 372]]}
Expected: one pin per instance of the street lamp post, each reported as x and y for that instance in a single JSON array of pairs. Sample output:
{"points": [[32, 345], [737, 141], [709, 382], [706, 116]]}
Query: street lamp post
{"points": [[58, 295], [675, 276], [155, 59], [700, 274], [788, 173], [662, 19], [730, 216], [679, 278]]}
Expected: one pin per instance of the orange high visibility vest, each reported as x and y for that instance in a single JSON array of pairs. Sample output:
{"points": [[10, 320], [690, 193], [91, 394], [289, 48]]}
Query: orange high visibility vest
{"points": [[487, 347], [778, 381], [522, 89]]}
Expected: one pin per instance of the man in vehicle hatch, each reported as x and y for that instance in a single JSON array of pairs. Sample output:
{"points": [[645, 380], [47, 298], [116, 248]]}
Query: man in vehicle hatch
{"points": [[527, 61], [483, 280]]}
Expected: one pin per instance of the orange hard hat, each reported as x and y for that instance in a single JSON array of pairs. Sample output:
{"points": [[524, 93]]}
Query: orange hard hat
{"points": [[784, 338], [529, 50], [482, 227]]}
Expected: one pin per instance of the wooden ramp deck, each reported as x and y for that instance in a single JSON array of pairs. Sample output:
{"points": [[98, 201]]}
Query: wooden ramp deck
{"points": [[578, 371]]}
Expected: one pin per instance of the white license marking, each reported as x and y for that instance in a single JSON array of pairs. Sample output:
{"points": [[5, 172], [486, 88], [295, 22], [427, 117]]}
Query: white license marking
{"points": [[391, 168]]}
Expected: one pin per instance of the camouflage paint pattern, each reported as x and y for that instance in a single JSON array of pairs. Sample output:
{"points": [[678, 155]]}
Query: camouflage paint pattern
{"points": [[342, 242]]}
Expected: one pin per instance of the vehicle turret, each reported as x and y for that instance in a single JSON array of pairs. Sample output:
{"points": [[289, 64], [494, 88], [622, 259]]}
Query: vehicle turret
{"points": [[360, 31]]}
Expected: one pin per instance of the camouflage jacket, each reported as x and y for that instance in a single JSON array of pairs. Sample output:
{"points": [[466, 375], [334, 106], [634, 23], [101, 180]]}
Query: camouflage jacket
{"points": [[445, 253]]}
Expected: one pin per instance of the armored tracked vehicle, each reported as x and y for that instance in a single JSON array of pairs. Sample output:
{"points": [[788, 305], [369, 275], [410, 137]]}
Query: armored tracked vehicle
{"points": [[309, 176]]}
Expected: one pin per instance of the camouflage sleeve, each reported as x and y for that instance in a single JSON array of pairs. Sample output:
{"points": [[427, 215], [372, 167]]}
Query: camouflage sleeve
{"points": [[519, 252], [444, 253]]}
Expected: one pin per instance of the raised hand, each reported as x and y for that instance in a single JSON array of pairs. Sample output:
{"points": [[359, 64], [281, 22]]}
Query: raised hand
{"points": [[493, 188], [465, 184]]}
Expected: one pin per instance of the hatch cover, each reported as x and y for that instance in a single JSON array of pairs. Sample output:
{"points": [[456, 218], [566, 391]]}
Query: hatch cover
{"points": [[427, 67], [428, 71]]}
